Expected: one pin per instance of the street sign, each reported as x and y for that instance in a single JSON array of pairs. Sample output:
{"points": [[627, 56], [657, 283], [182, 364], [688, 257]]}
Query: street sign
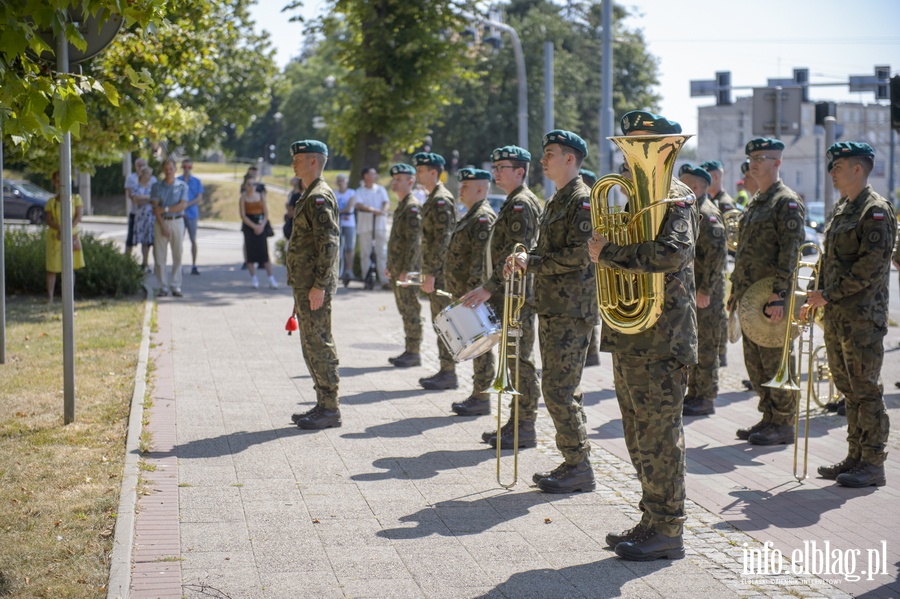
{"points": [[776, 111]]}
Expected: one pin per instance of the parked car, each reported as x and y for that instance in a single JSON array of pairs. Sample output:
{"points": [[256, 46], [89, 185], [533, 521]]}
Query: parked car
{"points": [[815, 215], [23, 199]]}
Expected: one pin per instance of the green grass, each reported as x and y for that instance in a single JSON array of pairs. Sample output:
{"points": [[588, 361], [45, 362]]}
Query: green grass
{"points": [[59, 484]]}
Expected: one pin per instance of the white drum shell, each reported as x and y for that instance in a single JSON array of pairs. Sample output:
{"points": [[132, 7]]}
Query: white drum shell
{"points": [[467, 332]]}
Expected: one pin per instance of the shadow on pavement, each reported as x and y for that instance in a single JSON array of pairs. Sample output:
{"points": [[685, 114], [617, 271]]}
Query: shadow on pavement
{"points": [[792, 508], [427, 465], [229, 444], [603, 578], [409, 427]]}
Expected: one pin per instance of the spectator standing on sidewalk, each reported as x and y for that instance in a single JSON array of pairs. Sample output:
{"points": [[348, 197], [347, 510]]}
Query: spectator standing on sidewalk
{"points": [[53, 218], [169, 198], [256, 230], [130, 181], [346, 199], [372, 203], [312, 264], [192, 211]]}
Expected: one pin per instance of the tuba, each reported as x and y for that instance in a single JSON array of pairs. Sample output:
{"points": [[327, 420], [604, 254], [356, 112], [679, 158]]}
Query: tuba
{"points": [[631, 303], [732, 221]]}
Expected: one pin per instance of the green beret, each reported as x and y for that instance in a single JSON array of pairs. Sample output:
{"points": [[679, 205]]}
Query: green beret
{"points": [[641, 120], [308, 146], [511, 153], [763, 143], [745, 166], [697, 171], [402, 169], [566, 138], [712, 165], [589, 177], [846, 149], [473, 174], [428, 159]]}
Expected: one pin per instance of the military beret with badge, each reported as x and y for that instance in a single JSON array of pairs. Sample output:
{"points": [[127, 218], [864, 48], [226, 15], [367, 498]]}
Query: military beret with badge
{"points": [[848, 149], [511, 153], [308, 146], [641, 120], [402, 169], [745, 166], [565, 138], [712, 165], [428, 159], [763, 143], [589, 177], [473, 174], [696, 171]]}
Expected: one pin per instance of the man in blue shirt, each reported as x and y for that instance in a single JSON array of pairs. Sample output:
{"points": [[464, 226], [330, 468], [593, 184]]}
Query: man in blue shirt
{"points": [[169, 197], [192, 212]]}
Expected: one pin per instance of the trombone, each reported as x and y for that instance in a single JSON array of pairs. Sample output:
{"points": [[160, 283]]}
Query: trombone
{"points": [[785, 379], [513, 301]]}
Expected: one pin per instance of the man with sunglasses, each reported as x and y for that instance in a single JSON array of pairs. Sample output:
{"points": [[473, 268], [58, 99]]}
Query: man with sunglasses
{"points": [[771, 232]]}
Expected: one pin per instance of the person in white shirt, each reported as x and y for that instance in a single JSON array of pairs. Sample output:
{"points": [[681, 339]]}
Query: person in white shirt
{"points": [[372, 204]]}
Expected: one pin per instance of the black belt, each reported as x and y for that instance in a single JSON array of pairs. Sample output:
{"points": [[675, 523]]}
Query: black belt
{"points": [[172, 216]]}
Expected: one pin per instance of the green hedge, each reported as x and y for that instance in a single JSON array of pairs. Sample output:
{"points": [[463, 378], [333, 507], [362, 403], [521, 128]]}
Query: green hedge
{"points": [[107, 272]]}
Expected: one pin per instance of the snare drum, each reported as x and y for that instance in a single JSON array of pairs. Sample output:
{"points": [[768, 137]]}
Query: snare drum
{"points": [[467, 332]]}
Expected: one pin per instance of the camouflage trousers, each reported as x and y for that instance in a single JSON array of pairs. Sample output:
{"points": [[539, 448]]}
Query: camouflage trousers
{"points": [[410, 309], [762, 364], [651, 397], [564, 342], [438, 303], [703, 377], [484, 374], [594, 345], [528, 384], [318, 347], [855, 354]]}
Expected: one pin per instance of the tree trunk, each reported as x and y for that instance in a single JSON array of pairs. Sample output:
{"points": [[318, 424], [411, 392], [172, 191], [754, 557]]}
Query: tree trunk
{"points": [[367, 153]]}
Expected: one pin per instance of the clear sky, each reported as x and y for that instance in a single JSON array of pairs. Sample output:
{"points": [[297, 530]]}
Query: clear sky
{"points": [[755, 40]]}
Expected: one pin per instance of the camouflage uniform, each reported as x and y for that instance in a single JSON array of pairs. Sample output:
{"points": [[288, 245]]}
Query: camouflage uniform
{"points": [[565, 299], [312, 261], [518, 223], [438, 220], [405, 255], [649, 367], [723, 201], [855, 275], [709, 273], [771, 232], [464, 270]]}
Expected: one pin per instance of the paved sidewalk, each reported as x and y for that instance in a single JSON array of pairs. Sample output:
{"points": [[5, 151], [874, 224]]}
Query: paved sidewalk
{"points": [[402, 500]]}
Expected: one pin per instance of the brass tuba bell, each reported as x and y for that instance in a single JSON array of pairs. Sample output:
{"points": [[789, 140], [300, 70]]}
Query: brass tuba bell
{"points": [[631, 303]]}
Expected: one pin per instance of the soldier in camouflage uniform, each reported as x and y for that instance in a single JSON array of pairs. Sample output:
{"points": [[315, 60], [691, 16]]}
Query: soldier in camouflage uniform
{"points": [[565, 299], [709, 277], [312, 264], [405, 256], [438, 221], [649, 367], [771, 232], [516, 223], [465, 269], [854, 288], [724, 203]]}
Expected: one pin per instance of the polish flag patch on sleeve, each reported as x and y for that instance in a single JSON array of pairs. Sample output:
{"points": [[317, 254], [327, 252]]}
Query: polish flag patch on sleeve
{"points": [[713, 219], [518, 208], [482, 219], [878, 216], [441, 202], [585, 205], [792, 205], [320, 201]]}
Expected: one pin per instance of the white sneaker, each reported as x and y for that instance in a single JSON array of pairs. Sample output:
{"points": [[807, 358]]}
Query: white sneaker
{"points": [[254, 282], [273, 284]]}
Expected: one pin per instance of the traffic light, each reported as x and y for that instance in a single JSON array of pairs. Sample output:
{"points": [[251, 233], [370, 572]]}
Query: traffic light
{"points": [[895, 103], [882, 78], [723, 88], [824, 109]]}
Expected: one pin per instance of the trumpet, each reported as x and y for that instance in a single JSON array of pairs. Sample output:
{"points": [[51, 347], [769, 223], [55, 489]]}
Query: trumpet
{"points": [[513, 301], [412, 279], [785, 379]]}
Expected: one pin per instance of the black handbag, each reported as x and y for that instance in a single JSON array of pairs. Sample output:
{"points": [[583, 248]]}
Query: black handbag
{"points": [[268, 230]]}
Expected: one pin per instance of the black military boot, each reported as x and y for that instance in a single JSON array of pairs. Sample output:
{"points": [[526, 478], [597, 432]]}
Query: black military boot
{"points": [[698, 407], [651, 545], [444, 379], [322, 418], [613, 539], [569, 478], [744, 433], [477, 404], [862, 475], [295, 418], [406, 360], [592, 360], [845, 465], [527, 436], [774, 434]]}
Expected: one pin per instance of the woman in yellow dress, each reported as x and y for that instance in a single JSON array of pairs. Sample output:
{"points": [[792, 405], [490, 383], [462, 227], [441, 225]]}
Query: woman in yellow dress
{"points": [[53, 218]]}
